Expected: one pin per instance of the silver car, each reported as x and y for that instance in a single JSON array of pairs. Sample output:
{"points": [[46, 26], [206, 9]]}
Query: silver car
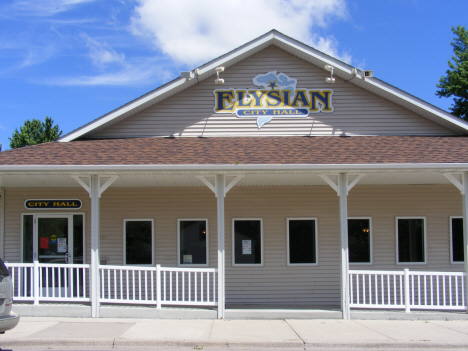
{"points": [[8, 319]]}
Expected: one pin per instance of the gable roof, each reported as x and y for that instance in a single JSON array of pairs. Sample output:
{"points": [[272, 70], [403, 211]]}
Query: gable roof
{"points": [[237, 153], [303, 51]]}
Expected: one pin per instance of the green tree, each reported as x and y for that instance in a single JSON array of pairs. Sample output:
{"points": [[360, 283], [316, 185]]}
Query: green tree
{"points": [[455, 82], [35, 132]]}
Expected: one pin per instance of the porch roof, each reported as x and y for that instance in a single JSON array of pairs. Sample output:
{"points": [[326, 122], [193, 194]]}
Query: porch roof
{"points": [[324, 150]]}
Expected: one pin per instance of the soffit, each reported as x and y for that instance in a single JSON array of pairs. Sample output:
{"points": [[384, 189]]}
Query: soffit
{"points": [[250, 179]]}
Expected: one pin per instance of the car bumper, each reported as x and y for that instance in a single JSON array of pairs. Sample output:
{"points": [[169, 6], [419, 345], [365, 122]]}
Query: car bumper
{"points": [[9, 322]]}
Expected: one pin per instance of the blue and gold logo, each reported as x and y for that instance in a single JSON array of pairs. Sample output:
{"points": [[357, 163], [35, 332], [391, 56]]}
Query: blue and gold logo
{"points": [[278, 98]]}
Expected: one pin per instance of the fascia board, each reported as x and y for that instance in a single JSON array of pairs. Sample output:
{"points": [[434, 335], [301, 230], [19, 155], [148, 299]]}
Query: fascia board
{"points": [[316, 54], [342, 67], [205, 71], [95, 169], [400, 94], [290, 45], [122, 110]]}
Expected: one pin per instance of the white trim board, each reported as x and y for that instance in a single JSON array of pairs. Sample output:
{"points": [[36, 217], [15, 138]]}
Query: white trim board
{"points": [[262, 253], [207, 245], [342, 70], [397, 258], [125, 220], [288, 262]]}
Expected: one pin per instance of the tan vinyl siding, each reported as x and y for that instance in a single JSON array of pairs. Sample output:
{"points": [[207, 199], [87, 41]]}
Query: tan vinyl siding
{"points": [[274, 282], [14, 208], [356, 112]]}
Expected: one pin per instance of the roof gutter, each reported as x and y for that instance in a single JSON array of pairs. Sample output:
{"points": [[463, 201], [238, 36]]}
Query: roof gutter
{"points": [[236, 168]]}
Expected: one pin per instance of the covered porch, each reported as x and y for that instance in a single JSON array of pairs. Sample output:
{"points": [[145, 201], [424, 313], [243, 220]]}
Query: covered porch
{"points": [[378, 285]]}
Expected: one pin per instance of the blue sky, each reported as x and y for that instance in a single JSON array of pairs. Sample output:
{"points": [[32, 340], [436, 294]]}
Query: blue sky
{"points": [[75, 60]]}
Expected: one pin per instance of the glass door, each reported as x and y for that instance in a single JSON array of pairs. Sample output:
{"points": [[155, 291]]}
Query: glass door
{"points": [[55, 244], [54, 239]]}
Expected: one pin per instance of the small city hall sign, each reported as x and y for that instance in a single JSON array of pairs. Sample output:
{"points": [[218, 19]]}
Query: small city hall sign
{"points": [[60, 204], [278, 98]]}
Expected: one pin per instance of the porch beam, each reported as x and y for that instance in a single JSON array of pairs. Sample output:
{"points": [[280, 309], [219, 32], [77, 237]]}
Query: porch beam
{"points": [[465, 231], [107, 184], [220, 193], [343, 191], [83, 184], [213, 188], [460, 184], [336, 187], [101, 188], [208, 184], [232, 183], [330, 182]]}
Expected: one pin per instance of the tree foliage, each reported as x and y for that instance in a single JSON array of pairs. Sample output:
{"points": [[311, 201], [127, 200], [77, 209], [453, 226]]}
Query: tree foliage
{"points": [[35, 132], [455, 82]]}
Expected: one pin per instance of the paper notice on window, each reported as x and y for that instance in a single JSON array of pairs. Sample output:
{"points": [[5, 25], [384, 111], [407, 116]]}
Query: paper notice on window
{"points": [[62, 245], [246, 247], [187, 258]]}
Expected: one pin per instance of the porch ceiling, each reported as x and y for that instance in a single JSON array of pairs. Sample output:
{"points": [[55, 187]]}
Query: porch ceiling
{"points": [[189, 179]]}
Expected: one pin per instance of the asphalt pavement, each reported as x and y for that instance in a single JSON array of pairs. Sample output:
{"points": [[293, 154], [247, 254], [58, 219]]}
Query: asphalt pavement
{"points": [[50, 333]]}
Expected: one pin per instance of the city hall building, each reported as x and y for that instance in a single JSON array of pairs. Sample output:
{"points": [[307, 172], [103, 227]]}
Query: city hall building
{"points": [[274, 175]]}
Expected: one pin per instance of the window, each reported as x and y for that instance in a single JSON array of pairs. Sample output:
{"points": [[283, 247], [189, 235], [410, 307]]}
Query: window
{"points": [[138, 239], [302, 241], [193, 241], [360, 240], [27, 244], [456, 240], [411, 233], [247, 242]]}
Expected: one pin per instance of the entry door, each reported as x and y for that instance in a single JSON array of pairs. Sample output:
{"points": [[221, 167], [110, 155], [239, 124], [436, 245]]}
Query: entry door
{"points": [[54, 239], [54, 244]]}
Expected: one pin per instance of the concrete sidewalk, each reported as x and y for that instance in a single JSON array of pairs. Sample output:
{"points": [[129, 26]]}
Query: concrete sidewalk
{"points": [[41, 333]]}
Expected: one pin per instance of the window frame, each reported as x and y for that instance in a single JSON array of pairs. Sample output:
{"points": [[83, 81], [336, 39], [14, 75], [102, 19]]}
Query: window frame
{"points": [[207, 264], [125, 220], [262, 261], [315, 219], [425, 241], [451, 242], [371, 244], [36, 215]]}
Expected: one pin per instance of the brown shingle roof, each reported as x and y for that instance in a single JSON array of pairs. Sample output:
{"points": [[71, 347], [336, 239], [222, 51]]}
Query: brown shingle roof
{"points": [[244, 150]]}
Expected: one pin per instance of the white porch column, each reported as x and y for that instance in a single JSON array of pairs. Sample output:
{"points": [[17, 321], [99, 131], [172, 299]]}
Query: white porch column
{"points": [[95, 219], [220, 193], [220, 189], [465, 230], [343, 193]]}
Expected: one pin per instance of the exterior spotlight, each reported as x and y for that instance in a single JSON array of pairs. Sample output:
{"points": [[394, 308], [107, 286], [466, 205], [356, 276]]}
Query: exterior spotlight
{"points": [[218, 71], [330, 80]]}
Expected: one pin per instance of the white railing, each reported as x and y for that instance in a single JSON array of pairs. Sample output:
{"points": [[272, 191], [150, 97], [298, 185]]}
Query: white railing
{"points": [[158, 285], [49, 282], [407, 290]]}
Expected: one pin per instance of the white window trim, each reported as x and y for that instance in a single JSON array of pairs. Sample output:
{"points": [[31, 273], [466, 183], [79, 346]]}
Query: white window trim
{"points": [[207, 243], [46, 215], [234, 264], [316, 241], [425, 241], [125, 240], [371, 244], [451, 241]]}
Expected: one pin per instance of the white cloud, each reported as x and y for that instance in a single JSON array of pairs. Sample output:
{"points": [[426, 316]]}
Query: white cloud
{"points": [[44, 7], [100, 53], [132, 74], [193, 32], [37, 55]]}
